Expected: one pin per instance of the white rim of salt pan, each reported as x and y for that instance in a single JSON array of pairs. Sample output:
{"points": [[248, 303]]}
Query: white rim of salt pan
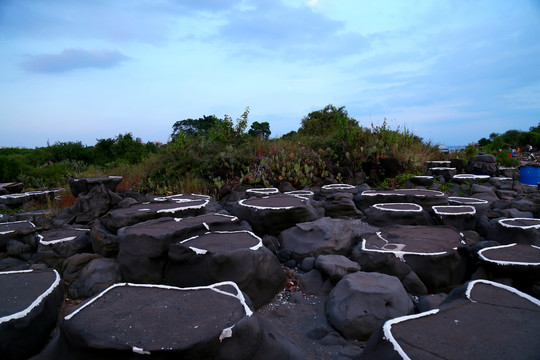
{"points": [[504, 262], [381, 206], [241, 202], [338, 187], [399, 253], [14, 222], [232, 218], [442, 168], [438, 162], [503, 223], [57, 241], [225, 333], [172, 210], [200, 251], [471, 176], [402, 192], [387, 327], [263, 191], [471, 210], [36, 302], [467, 201]]}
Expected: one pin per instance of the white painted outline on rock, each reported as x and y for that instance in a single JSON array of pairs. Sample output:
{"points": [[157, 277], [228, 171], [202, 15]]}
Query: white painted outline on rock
{"points": [[339, 187], [36, 302], [502, 222], [241, 203], [380, 206], [403, 192], [467, 200], [226, 332], [471, 176], [399, 253], [387, 327], [57, 241], [505, 262], [200, 251], [471, 210], [173, 210], [263, 191]]}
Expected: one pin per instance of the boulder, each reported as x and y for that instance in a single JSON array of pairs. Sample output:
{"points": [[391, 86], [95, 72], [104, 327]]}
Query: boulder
{"points": [[516, 230], [11, 188], [144, 247], [438, 255], [55, 246], [325, 236], [40, 218], [470, 179], [314, 282], [446, 172], [340, 205], [483, 164], [104, 242], [361, 302], [273, 214], [422, 197], [207, 322], [422, 180], [479, 320], [389, 214], [30, 305], [461, 217], [89, 274], [481, 206], [97, 202], [81, 186], [237, 256], [22, 231], [336, 266]]}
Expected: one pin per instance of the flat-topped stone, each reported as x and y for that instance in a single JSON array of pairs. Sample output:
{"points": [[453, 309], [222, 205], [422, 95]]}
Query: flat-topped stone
{"points": [[517, 230], [388, 214], [470, 178], [272, 214], [481, 205], [55, 246], [308, 194], [438, 163], [173, 206], [206, 322], [30, 302], [447, 172], [143, 247], [336, 188], [430, 251], [20, 198], [11, 188], [480, 320], [80, 186], [422, 180], [216, 256], [462, 217], [424, 198], [260, 192], [9, 230]]}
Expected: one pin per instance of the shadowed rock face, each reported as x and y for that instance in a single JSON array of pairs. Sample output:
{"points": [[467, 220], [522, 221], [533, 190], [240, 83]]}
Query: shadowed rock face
{"points": [[30, 303], [466, 325], [212, 322]]}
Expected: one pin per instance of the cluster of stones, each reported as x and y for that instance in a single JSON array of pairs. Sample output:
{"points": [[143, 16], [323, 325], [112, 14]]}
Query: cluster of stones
{"points": [[398, 273]]}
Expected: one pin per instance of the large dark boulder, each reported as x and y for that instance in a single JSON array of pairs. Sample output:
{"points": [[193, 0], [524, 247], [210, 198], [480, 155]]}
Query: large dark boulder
{"points": [[30, 303], [103, 241], [82, 186], [144, 247], [237, 256], [422, 197], [325, 236], [89, 274], [157, 321], [361, 302], [516, 230], [97, 202], [390, 214], [479, 320], [461, 217], [272, 214], [55, 246], [483, 164]]}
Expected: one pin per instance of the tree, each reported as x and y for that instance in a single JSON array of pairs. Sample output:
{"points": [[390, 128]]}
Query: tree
{"points": [[535, 129], [326, 121], [261, 130], [195, 126]]}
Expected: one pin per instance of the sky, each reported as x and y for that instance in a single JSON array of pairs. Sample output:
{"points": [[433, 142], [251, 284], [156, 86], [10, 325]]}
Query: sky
{"points": [[451, 72]]}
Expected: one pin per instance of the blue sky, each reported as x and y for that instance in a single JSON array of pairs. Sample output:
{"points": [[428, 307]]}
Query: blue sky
{"points": [[449, 71]]}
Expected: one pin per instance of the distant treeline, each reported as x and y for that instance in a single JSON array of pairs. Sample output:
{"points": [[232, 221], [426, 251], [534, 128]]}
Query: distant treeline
{"points": [[513, 139]]}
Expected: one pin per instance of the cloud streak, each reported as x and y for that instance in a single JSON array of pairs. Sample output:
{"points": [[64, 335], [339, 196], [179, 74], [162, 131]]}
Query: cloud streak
{"points": [[73, 59]]}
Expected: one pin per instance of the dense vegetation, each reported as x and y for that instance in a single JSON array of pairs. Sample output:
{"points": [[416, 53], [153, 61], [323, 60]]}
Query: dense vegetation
{"points": [[206, 153]]}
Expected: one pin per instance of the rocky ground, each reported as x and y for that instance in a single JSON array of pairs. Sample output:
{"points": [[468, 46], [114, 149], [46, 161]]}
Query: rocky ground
{"points": [[337, 272]]}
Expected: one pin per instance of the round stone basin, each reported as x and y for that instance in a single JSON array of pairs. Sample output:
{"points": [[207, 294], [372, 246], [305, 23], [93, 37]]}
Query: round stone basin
{"points": [[273, 202], [458, 200], [414, 240], [222, 241], [522, 223], [421, 193], [149, 318], [262, 191], [300, 193], [184, 199], [398, 207], [512, 254], [471, 178], [454, 210], [22, 291], [431, 164]]}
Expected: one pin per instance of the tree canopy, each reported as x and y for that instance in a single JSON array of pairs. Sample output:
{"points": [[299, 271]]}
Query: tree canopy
{"points": [[325, 121], [261, 130]]}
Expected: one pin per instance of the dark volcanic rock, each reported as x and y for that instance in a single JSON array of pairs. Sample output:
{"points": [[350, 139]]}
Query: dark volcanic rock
{"points": [[144, 246], [517, 230], [325, 236], [479, 320], [97, 202], [483, 164], [390, 214], [432, 252], [55, 246], [16, 230], [104, 242], [89, 274], [461, 217], [237, 256], [82, 186], [30, 303], [336, 266], [341, 205], [270, 215], [362, 302], [424, 198], [212, 322]]}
